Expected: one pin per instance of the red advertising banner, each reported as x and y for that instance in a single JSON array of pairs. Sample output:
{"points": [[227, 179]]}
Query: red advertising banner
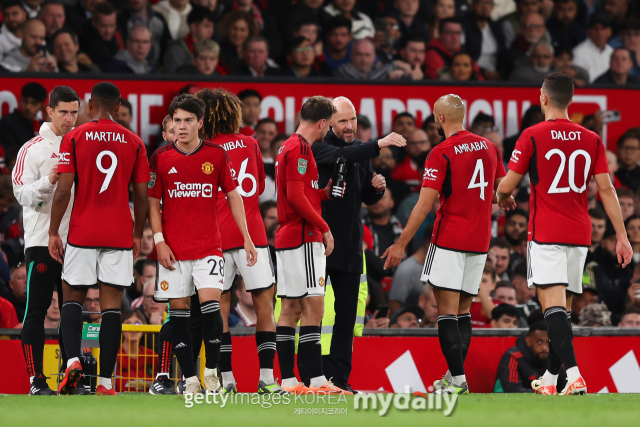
{"points": [[379, 102], [608, 364]]}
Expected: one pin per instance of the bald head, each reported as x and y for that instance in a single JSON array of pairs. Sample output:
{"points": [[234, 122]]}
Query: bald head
{"points": [[33, 34], [344, 122], [449, 113]]}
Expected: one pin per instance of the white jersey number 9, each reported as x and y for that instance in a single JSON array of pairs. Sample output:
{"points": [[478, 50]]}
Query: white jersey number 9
{"points": [[109, 172]]}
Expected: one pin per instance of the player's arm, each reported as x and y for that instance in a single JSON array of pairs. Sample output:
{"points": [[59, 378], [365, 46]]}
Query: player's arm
{"points": [[237, 210], [301, 205], [509, 203], [612, 207], [27, 187], [370, 193], [140, 213], [165, 254], [58, 208], [394, 253], [505, 187]]}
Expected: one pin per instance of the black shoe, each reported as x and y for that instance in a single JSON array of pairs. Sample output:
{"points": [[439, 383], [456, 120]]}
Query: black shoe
{"points": [[162, 385], [182, 385], [83, 390], [343, 385], [39, 387]]}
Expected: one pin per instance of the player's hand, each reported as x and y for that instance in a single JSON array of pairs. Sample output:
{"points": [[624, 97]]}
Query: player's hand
{"points": [[507, 204], [392, 139], [379, 183], [623, 250], [328, 188], [374, 323], [53, 175], [55, 248], [393, 254], [165, 256], [328, 241], [137, 241], [252, 254]]}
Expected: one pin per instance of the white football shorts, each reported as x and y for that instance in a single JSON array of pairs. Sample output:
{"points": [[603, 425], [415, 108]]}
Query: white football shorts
{"points": [[301, 271], [453, 270], [256, 278], [556, 265], [88, 266], [205, 273]]}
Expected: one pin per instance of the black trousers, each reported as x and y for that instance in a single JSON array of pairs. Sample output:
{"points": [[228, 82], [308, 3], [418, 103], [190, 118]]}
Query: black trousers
{"points": [[346, 287], [43, 276]]}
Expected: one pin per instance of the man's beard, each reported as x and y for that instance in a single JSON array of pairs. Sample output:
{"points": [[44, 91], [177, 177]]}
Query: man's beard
{"points": [[440, 131], [383, 170], [510, 239]]}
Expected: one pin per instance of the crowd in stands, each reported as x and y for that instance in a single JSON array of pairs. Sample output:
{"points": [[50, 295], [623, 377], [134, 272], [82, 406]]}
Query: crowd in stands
{"points": [[593, 41]]}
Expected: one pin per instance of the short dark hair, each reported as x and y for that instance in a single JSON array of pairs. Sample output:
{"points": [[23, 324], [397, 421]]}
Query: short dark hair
{"points": [[62, 94], [559, 89], [624, 192], [279, 137], [401, 115], [104, 8], [306, 19], [189, 103], [405, 41], [504, 284], [597, 213], [265, 120], [51, 2], [483, 117], [248, 93], [560, 50], [540, 325], [106, 94], [337, 21], [317, 108], [631, 218], [35, 91], [139, 266], [265, 206], [6, 4], [124, 102], [500, 242], [74, 36], [633, 133], [504, 309], [224, 112], [629, 310], [535, 316], [519, 270], [296, 42], [517, 211], [255, 39], [199, 14], [425, 122], [446, 21]]}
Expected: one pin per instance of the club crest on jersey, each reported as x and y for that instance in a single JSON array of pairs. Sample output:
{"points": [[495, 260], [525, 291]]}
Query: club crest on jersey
{"points": [[321, 282], [164, 285], [152, 180], [302, 166], [207, 168]]}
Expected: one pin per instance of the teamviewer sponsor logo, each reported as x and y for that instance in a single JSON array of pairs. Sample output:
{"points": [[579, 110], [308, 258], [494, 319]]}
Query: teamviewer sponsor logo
{"points": [[183, 190]]}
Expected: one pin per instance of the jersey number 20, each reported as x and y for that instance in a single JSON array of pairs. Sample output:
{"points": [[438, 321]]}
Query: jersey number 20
{"points": [[572, 170], [110, 171], [477, 181]]}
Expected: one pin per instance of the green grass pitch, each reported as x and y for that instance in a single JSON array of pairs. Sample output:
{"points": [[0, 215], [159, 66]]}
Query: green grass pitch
{"points": [[476, 410]]}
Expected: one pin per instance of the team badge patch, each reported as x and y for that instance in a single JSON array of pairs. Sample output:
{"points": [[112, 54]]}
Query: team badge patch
{"points": [[152, 180], [164, 285], [42, 267], [302, 166], [207, 168], [321, 282]]}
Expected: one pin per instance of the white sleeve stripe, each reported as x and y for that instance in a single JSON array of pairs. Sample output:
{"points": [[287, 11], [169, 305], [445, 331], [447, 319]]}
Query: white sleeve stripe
{"points": [[19, 168]]}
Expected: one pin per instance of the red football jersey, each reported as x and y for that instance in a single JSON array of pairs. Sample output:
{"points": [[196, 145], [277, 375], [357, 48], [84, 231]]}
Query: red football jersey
{"points": [[561, 157], [189, 184], [463, 169], [295, 162], [247, 161], [105, 157]]}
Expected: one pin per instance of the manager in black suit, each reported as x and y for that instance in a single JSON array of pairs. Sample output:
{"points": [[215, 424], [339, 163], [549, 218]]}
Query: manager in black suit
{"points": [[344, 265]]}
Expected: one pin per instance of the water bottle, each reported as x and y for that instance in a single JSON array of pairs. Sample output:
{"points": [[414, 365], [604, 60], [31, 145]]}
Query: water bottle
{"points": [[339, 173]]}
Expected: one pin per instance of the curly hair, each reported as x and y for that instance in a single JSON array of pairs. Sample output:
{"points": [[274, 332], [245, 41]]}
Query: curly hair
{"points": [[235, 16], [222, 113]]}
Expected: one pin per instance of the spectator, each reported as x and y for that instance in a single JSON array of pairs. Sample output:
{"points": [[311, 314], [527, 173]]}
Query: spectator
{"points": [[154, 312], [410, 24], [269, 213], [133, 60], [519, 281], [632, 225], [442, 9], [18, 286], [363, 64], [462, 69], [13, 248], [483, 123], [499, 257], [532, 31], [407, 318], [266, 26], [384, 165], [505, 292], [630, 318], [525, 362], [144, 270], [13, 16], [517, 221], [337, 49], [301, 57], [136, 363], [65, 51], [511, 23], [277, 142], [410, 171], [175, 13], [628, 158], [92, 305], [361, 24], [146, 245], [404, 124], [256, 61], [364, 132], [494, 137], [565, 30], [625, 198], [618, 10], [251, 100], [125, 117], [630, 38], [180, 52], [266, 130], [589, 296], [532, 116], [8, 317], [427, 302], [413, 52], [141, 12], [619, 69], [563, 62], [78, 14], [540, 64], [482, 305], [52, 16], [206, 57], [32, 54], [236, 27], [430, 127], [32, 7], [99, 38], [406, 285], [505, 316], [308, 28], [598, 226], [20, 126], [52, 318], [386, 38], [484, 39], [244, 309], [594, 53], [375, 322], [440, 51], [168, 132], [595, 315]]}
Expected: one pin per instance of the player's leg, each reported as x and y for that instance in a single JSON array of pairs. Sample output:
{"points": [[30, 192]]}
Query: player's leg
{"points": [[110, 335], [224, 361], [473, 267], [309, 349], [449, 333], [177, 333], [464, 322], [195, 326], [162, 383]]}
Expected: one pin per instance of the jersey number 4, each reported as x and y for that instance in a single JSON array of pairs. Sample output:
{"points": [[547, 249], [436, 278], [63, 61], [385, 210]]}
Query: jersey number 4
{"points": [[110, 171], [477, 181], [572, 171]]}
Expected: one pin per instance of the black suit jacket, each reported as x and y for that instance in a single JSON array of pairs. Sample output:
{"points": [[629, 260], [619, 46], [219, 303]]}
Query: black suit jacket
{"points": [[15, 130]]}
